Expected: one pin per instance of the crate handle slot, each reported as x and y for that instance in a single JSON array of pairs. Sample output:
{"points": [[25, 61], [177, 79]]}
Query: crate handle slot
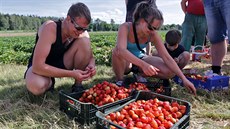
{"points": [[76, 105]]}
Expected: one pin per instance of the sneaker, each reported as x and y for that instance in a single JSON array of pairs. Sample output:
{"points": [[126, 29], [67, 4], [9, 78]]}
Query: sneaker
{"points": [[139, 78], [119, 83], [77, 88], [167, 87]]}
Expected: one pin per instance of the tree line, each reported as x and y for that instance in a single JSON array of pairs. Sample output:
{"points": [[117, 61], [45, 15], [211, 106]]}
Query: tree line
{"points": [[32, 23]]}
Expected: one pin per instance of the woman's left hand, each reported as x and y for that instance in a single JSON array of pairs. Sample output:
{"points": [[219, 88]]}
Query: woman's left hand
{"points": [[150, 70], [189, 86]]}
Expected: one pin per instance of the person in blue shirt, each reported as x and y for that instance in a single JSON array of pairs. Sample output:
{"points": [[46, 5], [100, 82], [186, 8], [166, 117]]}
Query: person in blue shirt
{"points": [[134, 44], [130, 7]]}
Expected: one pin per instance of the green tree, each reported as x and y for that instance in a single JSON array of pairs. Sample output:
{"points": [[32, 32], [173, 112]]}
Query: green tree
{"points": [[4, 24]]}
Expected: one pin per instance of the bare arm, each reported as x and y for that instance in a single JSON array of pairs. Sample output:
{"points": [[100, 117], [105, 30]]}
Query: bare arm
{"points": [[183, 5], [148, 49]]}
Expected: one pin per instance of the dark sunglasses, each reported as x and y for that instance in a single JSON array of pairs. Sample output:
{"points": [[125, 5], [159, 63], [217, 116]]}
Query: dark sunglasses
{"points": [[77, 27], [150, 27]]}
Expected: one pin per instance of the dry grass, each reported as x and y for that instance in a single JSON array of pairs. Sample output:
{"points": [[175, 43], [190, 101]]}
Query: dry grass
{"points": [[19, 109]]}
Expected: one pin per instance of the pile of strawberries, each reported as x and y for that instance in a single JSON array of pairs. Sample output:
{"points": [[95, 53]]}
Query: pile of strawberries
{"points": [[148, 114], [104, 93]]}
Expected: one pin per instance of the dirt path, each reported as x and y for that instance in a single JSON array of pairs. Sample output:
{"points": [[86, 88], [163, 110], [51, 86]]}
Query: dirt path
{"points": [[17, 34]]}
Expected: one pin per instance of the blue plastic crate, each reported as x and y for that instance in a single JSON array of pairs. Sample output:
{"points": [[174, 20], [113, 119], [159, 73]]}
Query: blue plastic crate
{"points": [[213, 83]]}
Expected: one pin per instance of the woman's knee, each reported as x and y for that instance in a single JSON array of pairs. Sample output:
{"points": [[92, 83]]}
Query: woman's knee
{"points": [[166, 74]]}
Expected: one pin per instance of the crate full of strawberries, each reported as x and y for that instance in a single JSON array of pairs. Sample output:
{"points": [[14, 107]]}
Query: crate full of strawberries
{"points": [[148, 110], [156, 87], [83, 105]]}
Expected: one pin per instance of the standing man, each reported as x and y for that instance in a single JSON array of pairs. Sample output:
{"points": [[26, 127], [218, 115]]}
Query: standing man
{"points": [[194, 24], [62, 50], [218, 19]]}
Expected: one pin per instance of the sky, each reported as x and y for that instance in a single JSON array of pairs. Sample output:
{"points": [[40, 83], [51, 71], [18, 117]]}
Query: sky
{"points": [[103, 9]]}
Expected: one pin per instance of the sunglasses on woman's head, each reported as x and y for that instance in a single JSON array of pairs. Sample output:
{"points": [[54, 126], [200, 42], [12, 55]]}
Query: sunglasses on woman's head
{"points": [[77, 27]]}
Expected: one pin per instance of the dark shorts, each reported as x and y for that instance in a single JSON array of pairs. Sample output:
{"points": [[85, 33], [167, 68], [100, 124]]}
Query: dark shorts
{"points": [[135, 69]]}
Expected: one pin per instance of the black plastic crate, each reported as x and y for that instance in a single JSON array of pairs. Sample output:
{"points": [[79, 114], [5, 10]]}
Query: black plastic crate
{"points": [[158, 87], [85, 113], [183, 123]]}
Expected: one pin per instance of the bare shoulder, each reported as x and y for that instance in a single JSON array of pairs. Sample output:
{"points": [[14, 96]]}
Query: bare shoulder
{"points": [[48, 27], [125, 25], [47, 32]]}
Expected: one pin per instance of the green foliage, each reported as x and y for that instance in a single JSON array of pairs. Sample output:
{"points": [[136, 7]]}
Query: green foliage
{"points": [[31, 22], [17, 50], [102, 44]]}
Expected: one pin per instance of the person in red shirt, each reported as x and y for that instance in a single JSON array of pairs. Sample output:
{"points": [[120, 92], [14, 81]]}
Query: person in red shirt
{"points": [[194, 23]]}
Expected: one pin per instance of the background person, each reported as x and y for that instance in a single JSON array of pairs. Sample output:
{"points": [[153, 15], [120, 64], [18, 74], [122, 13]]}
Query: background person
{"points": [[147, 20], [62, 50], [176, 50], [130, 7], [218, 20], [194, 24]]}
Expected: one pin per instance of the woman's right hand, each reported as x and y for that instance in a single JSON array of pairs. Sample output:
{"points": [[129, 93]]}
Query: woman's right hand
{"points": [[150, 70]]}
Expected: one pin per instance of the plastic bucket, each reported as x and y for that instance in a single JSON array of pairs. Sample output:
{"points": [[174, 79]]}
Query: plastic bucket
{"points": [[196, 55]]}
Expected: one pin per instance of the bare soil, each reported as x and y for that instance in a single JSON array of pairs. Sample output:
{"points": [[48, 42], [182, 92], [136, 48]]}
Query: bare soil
{"points": [[17, 34]]}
